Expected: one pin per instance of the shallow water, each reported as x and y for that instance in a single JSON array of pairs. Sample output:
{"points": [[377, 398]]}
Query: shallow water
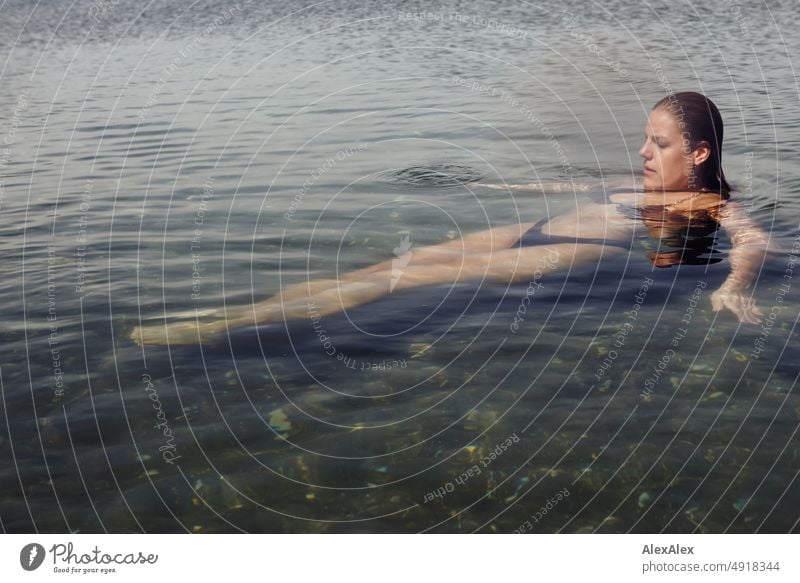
{"points": [[156, 160]]}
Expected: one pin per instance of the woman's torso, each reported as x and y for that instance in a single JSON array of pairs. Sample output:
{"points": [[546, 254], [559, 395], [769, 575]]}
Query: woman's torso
{"points": [[686, 220]]}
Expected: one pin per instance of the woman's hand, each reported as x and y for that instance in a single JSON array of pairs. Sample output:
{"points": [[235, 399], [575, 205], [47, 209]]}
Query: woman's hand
{"points": [[738, 302]]}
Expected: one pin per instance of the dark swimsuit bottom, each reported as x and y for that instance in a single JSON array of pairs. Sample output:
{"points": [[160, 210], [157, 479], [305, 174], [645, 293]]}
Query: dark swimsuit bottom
{"points": [[535, 236]]}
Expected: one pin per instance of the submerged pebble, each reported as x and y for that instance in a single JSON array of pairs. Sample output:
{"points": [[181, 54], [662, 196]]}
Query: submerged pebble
{"points": [[741, 503], [702, 369], [610, 521], [280, 423], [418, 349]]}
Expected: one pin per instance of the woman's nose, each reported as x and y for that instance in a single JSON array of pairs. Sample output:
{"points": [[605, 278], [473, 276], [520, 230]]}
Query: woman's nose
{"points": [[644, 152]]}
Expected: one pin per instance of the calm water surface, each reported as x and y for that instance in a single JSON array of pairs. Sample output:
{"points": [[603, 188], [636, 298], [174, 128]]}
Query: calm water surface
{"points": [[166, 156]]}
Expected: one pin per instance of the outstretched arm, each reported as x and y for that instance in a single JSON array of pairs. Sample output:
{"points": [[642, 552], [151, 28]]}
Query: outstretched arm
{"points": [[556, 187], [541, 186], [750, 245]]}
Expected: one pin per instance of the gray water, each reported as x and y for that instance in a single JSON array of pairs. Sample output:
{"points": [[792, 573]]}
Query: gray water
{"points": [[171, 156]]}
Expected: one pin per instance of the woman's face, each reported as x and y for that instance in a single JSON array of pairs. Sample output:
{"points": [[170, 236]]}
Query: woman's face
{"points": [[668, 163]]}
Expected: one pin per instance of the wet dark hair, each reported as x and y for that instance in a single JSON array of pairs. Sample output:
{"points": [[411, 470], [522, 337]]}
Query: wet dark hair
{"points": [[702, 122]]}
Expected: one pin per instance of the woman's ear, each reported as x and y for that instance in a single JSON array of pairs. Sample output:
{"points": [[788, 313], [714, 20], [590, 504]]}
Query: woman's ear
{"points": [[701, 153]]}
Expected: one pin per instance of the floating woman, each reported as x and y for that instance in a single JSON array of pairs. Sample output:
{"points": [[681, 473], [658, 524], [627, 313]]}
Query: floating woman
{"points": [[685, 198]]}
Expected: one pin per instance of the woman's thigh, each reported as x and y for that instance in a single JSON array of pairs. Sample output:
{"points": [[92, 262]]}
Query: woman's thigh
{"points": [[520, 264], [488, 240], [457, 251], [516, 265]]}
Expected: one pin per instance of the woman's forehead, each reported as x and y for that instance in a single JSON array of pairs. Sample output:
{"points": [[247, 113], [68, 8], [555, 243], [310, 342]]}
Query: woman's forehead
{"points": [[661, 122]]}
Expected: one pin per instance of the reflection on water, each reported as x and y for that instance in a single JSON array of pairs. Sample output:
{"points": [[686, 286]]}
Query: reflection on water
{"points": [[679, 237], [171, 159]]}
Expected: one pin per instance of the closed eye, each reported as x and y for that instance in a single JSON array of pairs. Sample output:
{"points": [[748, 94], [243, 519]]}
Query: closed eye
{"points": [[657, 143]]}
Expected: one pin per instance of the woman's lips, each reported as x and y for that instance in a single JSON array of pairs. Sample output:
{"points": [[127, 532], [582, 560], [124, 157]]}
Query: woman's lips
{"points": [[648, 170]]}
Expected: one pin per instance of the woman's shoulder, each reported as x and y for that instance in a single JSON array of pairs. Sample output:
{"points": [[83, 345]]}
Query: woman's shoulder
{"points": [[621, 196], [696, 201], [713, 202]]}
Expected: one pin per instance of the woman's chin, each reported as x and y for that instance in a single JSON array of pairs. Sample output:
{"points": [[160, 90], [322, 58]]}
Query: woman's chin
{"points": [[649, 183]]}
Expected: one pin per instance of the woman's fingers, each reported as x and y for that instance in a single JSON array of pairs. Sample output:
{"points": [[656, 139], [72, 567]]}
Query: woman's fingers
{"points": [[716, 302], [754, 313], [741, 305]]}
